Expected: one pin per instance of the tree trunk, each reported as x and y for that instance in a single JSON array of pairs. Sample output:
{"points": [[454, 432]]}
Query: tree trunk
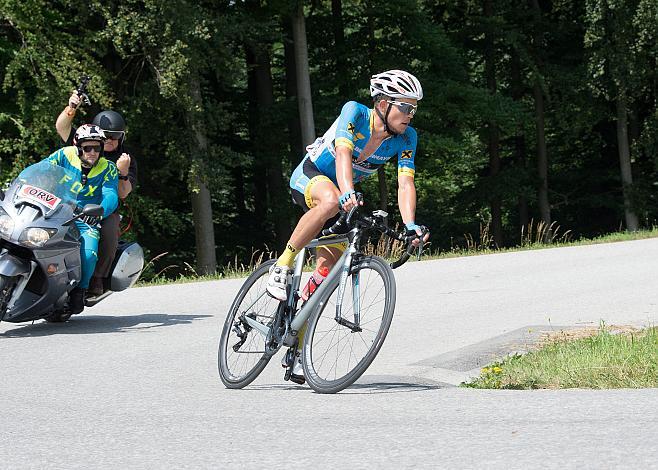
{"points": [[294, 126], [372, 41], [240, 195], [206, 257], [254, 78], [519, 139], [267, 148], [339, 48], [632, 223], [542, 157], [493, 143], [303, 78], [371, 47], [542, 153]]}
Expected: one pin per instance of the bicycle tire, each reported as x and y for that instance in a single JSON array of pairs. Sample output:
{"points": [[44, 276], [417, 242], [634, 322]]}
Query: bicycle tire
{"points": [[228, 376], [326, 314]]}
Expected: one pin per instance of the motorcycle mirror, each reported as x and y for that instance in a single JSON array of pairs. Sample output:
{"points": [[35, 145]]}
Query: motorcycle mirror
{"points": [[93, 210]]}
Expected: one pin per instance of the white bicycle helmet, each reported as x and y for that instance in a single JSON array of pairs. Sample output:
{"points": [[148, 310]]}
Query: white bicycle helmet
{"points": [[88, 132], [396, 84]]}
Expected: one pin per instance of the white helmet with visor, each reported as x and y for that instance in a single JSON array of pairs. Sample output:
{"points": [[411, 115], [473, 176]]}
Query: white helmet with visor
{"points": [[88, 132], [396, 84]]}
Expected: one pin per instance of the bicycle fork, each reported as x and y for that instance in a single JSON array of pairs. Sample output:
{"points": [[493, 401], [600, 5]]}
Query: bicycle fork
{"points": [[347, 265]]}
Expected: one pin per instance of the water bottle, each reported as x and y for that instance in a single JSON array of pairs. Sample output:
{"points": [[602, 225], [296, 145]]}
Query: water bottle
{"points": [[316, 279]]}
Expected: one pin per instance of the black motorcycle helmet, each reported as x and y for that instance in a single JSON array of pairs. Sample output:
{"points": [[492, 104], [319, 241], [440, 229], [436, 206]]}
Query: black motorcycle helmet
{"points": [[112, 124]]}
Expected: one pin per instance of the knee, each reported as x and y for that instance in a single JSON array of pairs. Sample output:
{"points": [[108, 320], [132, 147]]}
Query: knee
{"points": [[328, 205], [89, 255]]}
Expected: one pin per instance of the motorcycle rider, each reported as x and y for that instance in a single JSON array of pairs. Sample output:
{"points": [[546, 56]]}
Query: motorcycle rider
{"points": [[114, 127], [97, 184]]}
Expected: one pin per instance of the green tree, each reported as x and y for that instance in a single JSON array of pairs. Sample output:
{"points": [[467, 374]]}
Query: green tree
{"points": [[616, 37]]}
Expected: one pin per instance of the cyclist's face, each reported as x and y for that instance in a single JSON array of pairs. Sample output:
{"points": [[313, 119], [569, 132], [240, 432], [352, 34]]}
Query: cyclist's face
{"points": [[398, 119]]}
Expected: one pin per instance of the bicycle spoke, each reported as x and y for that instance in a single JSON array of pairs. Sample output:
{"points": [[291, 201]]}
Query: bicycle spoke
{"points": [[238, 368], [336, 348]]}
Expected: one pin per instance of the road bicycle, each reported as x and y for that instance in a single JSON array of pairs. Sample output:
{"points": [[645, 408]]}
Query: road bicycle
{"points": [[344, 323]]}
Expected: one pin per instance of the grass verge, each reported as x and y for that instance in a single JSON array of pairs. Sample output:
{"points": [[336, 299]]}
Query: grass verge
{"points": [[601, 361], [609, 238]]}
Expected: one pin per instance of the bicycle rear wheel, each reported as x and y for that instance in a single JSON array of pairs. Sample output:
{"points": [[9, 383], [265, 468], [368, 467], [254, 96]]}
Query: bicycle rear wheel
{"points": [[241, 356], [334, 355]]}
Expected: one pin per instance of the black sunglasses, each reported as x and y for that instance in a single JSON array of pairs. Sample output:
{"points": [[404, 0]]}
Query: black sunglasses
{"points": [[405, 108], [91, 148]]}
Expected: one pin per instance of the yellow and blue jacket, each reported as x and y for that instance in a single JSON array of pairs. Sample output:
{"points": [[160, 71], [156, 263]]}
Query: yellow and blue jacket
{"points": [[101, 185], [353, 129]]}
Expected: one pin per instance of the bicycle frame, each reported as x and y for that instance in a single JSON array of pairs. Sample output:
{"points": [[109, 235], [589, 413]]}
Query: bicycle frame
{"points": [[341, 268]]}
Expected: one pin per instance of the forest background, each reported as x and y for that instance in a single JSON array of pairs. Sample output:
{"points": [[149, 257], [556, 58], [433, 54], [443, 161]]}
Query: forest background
{"points": [[534, 110]]}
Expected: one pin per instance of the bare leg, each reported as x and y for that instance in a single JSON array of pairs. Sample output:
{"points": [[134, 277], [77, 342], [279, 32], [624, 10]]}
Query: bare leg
{"points": [[324, 195], [325, 200], [327, 256]]}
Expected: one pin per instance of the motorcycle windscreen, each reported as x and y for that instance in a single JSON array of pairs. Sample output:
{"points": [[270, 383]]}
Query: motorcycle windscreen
{"points": [[48, 185]]}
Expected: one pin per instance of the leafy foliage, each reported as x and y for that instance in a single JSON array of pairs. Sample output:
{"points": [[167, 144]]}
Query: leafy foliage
{"points": [[145, 58]]}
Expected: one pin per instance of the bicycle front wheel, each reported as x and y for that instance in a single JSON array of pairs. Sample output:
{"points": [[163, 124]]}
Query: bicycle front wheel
{"points": [[241, 356], [335, 352]]}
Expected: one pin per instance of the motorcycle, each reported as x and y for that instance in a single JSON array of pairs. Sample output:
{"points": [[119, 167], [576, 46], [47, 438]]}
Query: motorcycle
{"points": [[40, 249]]}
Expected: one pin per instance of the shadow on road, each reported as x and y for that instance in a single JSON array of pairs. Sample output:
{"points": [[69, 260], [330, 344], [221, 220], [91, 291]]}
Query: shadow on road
{"points": [[367, 385], [390, 387], [93, 324]]}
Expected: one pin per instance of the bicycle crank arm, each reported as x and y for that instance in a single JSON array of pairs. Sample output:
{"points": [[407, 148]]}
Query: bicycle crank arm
{"points": [[256, 325]]}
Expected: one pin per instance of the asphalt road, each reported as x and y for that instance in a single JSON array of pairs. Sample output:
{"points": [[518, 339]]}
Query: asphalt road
{"points": [[132, 383]]}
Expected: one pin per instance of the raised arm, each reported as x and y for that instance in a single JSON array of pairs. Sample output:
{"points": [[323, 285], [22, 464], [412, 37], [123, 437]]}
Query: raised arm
{"points": [[64, 121]]}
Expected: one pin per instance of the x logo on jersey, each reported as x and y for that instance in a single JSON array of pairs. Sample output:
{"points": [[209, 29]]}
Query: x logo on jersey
{"points": [[406, 155], [350, 128]]}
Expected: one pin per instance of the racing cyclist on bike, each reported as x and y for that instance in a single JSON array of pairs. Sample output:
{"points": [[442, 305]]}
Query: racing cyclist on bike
{"points": [[358, 142], [355, 146]]}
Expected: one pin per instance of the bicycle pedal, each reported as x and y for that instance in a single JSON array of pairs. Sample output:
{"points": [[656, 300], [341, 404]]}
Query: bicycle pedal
{"points": [[288, 359], [298, 379]]}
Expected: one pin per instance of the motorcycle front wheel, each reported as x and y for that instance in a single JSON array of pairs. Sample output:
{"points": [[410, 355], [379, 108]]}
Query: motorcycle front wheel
{"points": [[7, 285]]}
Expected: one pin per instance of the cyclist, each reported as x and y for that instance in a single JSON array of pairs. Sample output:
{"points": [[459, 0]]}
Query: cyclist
{"points": [[114, 128], [358, 142], [97, 185]]}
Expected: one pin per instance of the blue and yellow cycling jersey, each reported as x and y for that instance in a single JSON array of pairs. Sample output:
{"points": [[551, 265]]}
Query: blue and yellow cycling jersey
{"points": [[101, 183], [353, 129]]}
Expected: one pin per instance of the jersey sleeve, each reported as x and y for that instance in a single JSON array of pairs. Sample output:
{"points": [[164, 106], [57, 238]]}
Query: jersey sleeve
{"points": [[347, 124], [407, 153], [56, 157], [110, 189]]}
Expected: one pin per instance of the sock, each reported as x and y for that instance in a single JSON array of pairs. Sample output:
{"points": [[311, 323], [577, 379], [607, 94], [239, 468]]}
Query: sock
{"points": [[287, 258]]}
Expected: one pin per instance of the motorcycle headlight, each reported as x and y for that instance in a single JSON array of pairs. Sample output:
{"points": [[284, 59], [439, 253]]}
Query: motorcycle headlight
{"points": [[6, 225], [36, 236]]}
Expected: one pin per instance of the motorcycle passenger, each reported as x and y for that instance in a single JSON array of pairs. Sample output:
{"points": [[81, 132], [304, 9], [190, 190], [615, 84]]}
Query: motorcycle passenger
{"points": [[114, 127], [97, 185]]}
